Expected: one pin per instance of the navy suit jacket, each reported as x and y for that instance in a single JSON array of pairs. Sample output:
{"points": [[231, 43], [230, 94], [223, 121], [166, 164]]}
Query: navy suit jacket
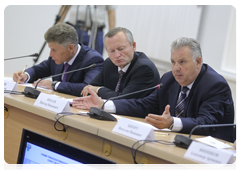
{"points": [[141, 74], [209, 102], [75, 81]]}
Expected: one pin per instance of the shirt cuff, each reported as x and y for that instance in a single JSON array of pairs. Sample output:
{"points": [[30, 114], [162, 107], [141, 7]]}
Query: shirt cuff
{"points": [[109, 106], [98, 89], [177, 124], [57, 84], [28, 77]]}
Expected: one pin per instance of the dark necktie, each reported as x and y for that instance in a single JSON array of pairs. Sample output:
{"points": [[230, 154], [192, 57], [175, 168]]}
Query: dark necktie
{"points": [[181, 102], [66, 65], [119, 80]]}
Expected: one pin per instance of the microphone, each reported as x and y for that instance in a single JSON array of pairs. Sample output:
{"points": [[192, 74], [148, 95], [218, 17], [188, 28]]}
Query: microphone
{"points": [[184, 142], [100, 114], [33, 55], [34, 93]]}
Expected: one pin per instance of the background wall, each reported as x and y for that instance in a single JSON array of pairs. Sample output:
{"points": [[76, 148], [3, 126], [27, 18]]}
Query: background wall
{"points": [[153, 27]]}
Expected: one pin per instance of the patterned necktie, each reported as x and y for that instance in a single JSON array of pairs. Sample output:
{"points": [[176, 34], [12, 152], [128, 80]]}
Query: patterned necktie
{"points": [[66, 65], [181, 102], [119, 80]]}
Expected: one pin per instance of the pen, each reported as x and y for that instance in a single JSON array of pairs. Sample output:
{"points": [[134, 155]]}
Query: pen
{"points": [[23, 72], [161, 133]]}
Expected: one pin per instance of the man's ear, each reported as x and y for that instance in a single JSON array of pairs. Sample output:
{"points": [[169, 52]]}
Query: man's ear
{"points": [[199, 62], [134, 46], [70, 47]]}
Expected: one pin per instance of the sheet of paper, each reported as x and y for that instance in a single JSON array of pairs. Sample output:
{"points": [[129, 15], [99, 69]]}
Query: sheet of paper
{"points": [[213, 142], [8, 78], [30, 85]]}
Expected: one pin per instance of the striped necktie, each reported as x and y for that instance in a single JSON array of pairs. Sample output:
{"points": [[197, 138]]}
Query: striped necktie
{"points": [[119, 80], [181, 102]]}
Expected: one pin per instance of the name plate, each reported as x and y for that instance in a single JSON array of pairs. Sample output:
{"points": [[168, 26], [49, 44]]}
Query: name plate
{"points": [[10, 85], [209, 155], [52, 103], [134, 129]]}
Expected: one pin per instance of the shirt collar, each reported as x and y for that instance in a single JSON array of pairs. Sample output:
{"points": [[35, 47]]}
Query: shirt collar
{"points": [[72, 60], [124, 68], [190, 85]]}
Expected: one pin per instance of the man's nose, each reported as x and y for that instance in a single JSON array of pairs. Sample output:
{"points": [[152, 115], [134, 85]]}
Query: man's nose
{"points": [[176, 67], [117, 54]]}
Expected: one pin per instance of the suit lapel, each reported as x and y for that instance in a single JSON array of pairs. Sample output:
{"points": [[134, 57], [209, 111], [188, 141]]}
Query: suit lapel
{"points": [[76, 63], [174, 93], [135, 57], [58, 70], [126, 75], [113, 75], [198, 79]]}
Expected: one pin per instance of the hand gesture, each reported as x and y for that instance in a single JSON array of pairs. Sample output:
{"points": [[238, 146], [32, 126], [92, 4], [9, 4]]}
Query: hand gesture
{"points": [[160, 121], [88, 101]]}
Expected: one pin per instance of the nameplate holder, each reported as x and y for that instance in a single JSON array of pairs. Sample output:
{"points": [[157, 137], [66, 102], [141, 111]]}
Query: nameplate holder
{"points": [[10, 85], [209, 155], [134, 129], [52, 103]]}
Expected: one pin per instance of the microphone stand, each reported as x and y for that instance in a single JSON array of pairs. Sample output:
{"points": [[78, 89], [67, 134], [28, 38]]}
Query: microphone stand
{"points": [[184, 141], [214, 125], [34, 93], [59, 18], [100, 114], [33, 55]]}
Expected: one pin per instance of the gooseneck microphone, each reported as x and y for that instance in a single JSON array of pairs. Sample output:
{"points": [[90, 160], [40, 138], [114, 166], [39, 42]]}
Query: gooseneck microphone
{"points": [[184, 141], [139, 91], [34, 93], [100, 114], [214, 125], [33, 55]]}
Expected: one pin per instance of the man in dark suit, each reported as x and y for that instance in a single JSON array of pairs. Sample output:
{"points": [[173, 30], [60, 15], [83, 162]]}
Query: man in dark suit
{"points": [[65, 55], [206, 100], [139, 72]]}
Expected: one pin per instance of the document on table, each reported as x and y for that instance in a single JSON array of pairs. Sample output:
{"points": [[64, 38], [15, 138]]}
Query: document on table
{"points": [[26, 84]]}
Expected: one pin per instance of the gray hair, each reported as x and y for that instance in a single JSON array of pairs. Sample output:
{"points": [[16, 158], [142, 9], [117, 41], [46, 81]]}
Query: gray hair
{"points": [[62, 34], [116, 30], [193, 44]]}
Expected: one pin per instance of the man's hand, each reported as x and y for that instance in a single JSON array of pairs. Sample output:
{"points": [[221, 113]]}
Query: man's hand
{"points": [[160, 121], [88, 101], [45, 83], [85, 91], [18, 76]]}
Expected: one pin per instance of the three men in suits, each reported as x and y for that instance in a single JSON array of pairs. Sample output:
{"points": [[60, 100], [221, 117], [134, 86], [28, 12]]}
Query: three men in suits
{"points": [[65, 55], [206, 100], [137, 70]]}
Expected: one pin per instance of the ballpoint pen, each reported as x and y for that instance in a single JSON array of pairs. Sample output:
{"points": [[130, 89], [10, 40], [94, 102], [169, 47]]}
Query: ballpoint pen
{"points": [[161, 133], [22, 72]]}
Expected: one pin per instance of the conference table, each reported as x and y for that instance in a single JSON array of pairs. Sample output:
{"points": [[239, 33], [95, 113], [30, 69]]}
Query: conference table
{"points": [[83, 132]]}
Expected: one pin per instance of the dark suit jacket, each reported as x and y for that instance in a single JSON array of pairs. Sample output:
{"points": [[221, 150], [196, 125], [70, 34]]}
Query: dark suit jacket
{"points": [[209, 102], [75, 81], [141, 74]]}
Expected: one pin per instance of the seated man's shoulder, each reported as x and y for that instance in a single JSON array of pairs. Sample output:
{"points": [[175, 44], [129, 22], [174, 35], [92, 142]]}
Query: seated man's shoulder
{"points": [[90, 52], [213, 76], [144, 61]]}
